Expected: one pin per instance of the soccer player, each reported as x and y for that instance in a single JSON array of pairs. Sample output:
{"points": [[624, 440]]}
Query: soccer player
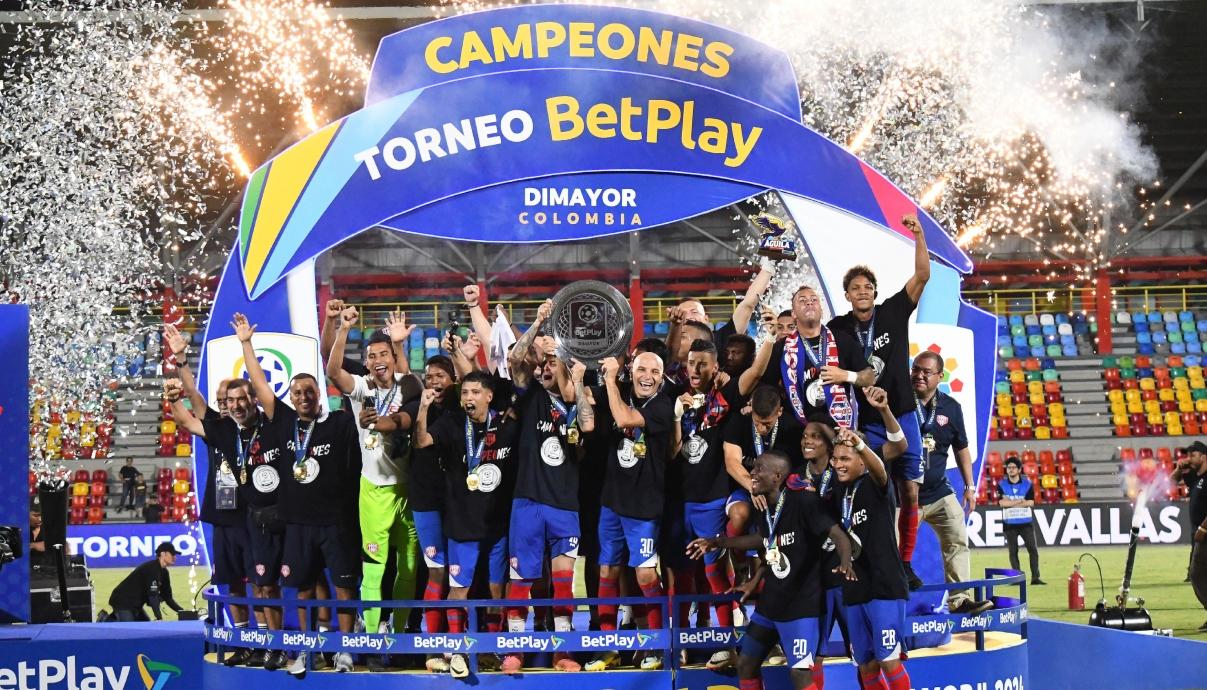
{"points": [[874, 603], [792, 532], [544, 513], [760, 427], [693, 310], [318, 480], [232, 551], [426, 493], [883, 336], [816, 366], [386, 526], [638, 420], [475, 446], [941, 419], [255, 441]]}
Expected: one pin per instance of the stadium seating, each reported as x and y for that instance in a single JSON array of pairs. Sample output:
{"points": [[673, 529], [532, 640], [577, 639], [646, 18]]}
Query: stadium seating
{"points": [[1150, 467], [1051, 472], [1029, 401], [1157, 394], [1046, 335]]}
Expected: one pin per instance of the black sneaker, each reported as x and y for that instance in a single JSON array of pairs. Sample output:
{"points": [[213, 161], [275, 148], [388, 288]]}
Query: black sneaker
{"points": [[376, 663], [1038, 581], [915, 582], [275, 661], [257, 658], [238, 657], [969, 607]]}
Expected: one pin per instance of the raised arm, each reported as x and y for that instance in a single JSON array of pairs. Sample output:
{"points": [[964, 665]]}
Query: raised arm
{"points": [[244, 331], [473, 302], [745, 308], [180, 357], [335, 362], [331, 312], [582, 398], [750, 378], [917, 282], [674, 332], [520, 374], [878, 399], [423, 438], [461, 354], [399, 331], [172, 390], [873, 462], [625, 417]]}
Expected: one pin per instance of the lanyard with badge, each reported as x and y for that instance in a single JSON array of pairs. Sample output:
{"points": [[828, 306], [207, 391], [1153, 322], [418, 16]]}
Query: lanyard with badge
{"points": [[225, 487], [480, 477], [381, 406], [300, 446], [773, 520], [925, 421]]}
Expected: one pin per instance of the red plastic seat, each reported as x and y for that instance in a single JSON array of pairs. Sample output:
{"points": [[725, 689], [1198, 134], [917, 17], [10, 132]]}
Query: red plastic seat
{"points": [[100, 476], [1060, 432], [165, 473], [182, 474], [81, 477], [99, 488]]}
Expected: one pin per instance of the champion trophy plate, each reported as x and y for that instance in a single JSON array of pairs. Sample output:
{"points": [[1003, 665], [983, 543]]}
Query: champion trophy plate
{"points": [[590, 321]]}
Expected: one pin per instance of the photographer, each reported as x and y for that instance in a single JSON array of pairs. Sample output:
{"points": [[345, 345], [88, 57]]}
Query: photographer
{"points": [[149, 584]]}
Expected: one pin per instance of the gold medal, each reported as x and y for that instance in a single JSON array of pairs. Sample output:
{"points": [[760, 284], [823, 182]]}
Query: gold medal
{"points": [[698, 401], [773, 555], [572, 436], [472, 482], [225, 468], [372, 440], [299, 472], [639, 449], [242, 475], [928, 442]]}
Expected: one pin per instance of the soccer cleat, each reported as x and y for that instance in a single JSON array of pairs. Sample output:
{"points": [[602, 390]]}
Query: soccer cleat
{"points": [[298, 667], [343, 662], [564, 662], [915, 582], [603, 661], [256, 660], [275, 661], [375, 663], [319, 661], [457, 666], [651, 662], [720, 661], [776, 657], [512, 664], [436, 664], [489, 662], [238, 658], [971, 608]]}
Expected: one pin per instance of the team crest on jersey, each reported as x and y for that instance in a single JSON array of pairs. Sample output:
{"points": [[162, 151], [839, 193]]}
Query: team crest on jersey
{"points": [[372, 547], [941, 419], [260, 569], [285, 570], [454, 570], [430, 552]]}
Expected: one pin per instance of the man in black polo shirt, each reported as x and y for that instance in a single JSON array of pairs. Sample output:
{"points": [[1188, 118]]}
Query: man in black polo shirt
{"points": [[941, 418], [792, 532], [251, 442], [1197, 481], [232, 559], [149, 585], [883, 336], [476, 448]]}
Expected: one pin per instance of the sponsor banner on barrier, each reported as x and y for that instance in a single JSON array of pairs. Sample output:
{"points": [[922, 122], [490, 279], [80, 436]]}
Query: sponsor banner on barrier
{"points": [[84, 657], [120, 546], [572, 641], [994, 619], [695, 638], [1088, 524]]}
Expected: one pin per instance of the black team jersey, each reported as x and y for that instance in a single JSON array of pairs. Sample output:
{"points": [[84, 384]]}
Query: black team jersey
{"points": [[701, 461], [850, 358], [324, 491], [210, 513], [884, 341], [785, 435], [262, 444], [425, 476], [869, 511], [636, 486], [792, 584], [547, 463], [482, 513]]}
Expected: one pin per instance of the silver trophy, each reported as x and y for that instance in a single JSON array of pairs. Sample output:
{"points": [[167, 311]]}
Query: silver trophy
{"points": [[590, 321]]}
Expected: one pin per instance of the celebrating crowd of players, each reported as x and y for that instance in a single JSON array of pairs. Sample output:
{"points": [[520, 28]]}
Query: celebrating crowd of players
{"points": [[773, 468]]}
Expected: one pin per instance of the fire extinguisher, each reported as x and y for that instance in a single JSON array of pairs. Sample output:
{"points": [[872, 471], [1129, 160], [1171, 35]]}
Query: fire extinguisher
{"points": [[1076, 589]]}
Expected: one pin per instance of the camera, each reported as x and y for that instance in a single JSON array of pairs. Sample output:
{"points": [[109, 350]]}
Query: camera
{"points": [[10, 544]]}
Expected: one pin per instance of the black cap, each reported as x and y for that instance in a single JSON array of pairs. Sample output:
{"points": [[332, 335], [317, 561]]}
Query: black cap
{"points": [[1013, 459], [166, 547], [1197, 447]]}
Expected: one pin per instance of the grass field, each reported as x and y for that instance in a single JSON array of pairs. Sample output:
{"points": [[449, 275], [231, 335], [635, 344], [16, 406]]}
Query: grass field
{"points": [[1158, 578]]}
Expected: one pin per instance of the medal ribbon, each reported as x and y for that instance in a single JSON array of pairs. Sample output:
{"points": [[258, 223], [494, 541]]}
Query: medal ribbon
{"points": [[773, 520], [758, 438], [559, 407], [867, 338], [823, 485], [473, 454], [382, 405], [241, 451], [301, 446], [848, 502], [637, 432], [924, 422]]}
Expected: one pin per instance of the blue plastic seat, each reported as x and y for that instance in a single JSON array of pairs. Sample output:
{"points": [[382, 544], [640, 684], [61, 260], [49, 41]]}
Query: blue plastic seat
{"points": [[1003, 340], [1048, 329], [1038, 351], [1034, 330], [1154, 317], [1193, 360], [1194, 347], [1016, 320], [1186, 316], [1145, 348], [1144, 338], [1141, 326], [1019, 341], [1062, 318], [1202, 325], [1051, 339], [1177, 348], [1047, 364], [1082, 328], [1159, 337], [1078, 317], [1067, 340], [1069, 350]]}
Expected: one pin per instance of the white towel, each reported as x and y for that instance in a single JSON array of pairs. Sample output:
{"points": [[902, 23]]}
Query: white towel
{"points": [[501, 338]]}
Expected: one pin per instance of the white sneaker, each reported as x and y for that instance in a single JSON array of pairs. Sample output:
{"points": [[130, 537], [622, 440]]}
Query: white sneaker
{"points": [[721, 660], [651, 662], [343, 662], [298, 667], [457, 666], [436, 664]]}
